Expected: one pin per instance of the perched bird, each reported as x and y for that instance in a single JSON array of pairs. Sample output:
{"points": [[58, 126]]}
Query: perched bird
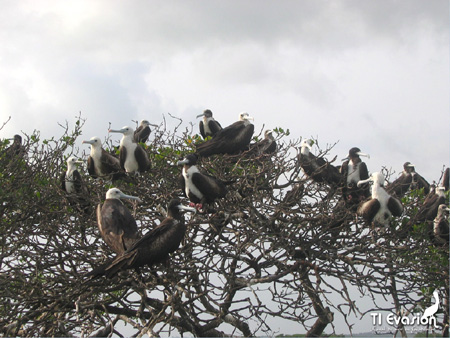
{"points": [[266, 146], [429, 209], [354, 170], [230, 140], [142, 132], [133, 158], [199, 188], [408, 180], [430, 311], [16, 148], [116, 224], [317, 168], [154, 247], [440, 225], [208, 126], [446, 179], [72, 183], [101, 164], [379, 209]]}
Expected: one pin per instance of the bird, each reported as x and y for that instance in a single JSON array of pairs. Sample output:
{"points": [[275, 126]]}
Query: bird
{"points": [[429, 209], [430, 311], [16, 148], [266, 146], [354, 170], [317, 168], [446, 179], [440, 228], [198, 187], [208, 126], [379, 209], [154, 247], [408, 180], [101, 164], [143, 131], [72, 183], [133, 158], [230, 140], [117, 226], [71, 180]]}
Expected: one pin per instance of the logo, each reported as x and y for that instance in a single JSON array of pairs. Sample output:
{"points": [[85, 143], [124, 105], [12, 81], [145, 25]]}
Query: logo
{"points": [[415, 322]]}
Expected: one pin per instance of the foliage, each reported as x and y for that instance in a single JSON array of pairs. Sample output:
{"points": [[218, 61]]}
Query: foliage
{"points": [[279, 246]]}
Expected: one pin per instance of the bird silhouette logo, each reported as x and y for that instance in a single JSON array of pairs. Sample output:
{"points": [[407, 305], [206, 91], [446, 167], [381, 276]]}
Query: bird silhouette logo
{"points": [[430, 311]]}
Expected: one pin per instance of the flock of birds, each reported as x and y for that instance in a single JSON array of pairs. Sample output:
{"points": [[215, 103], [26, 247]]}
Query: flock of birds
{"points": [[362, 193]]}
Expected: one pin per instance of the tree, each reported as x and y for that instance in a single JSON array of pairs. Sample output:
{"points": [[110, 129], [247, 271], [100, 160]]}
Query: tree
{"points": [[277, 246]]}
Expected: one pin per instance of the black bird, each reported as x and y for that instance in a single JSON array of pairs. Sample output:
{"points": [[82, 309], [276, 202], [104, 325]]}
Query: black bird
{"points": [[446, 179], [208, 126], [440, 229], [230, 140], [408, 180], [429, 209], [354, 170], [16, 148], [317, 168], [381, 206], [199, 188], [266, 146], [154, 247], [133, 158], [142, 132], [116, 224], [101, 164]]}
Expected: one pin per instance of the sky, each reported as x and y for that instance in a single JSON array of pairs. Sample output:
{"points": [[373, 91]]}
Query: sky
{"points": [[371, 74]]}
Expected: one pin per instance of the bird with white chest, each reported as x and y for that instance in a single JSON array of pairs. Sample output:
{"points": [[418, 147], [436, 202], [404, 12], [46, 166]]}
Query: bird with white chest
{"points": [[133, 158], [71, 180], [379, 209]]}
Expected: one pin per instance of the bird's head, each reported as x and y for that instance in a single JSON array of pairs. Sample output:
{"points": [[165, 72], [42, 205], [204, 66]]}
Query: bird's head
{"points": [[244, 116], [115, 193], [72, 162], [207, 113], [189, 160], [176, 208], [95, 142], [127, 131]]}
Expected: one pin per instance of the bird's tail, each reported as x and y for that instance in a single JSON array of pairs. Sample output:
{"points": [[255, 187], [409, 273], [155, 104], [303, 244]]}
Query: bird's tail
{"points": [[114, 265]]}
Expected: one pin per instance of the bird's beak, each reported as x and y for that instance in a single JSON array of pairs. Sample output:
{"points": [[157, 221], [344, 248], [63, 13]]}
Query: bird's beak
{"points": [[249, 118], [188, 209], [153, 125], [88, 142], [362, 154], [183, 162], [129, 197], [410, 165], [115, 131], [200, 115], [360, 183]]}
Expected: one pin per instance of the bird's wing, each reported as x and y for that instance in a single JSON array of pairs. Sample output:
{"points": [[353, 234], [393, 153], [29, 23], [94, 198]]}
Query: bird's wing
{"points": [[141, 134], [208, 185], [202, 129], [91, 167], [395, 207], [77, 181], [369, 209], [142, 158], [122, 157], [214, 126], [363, 172], [422, 183], [111, 162], [182, 184], [62, 180]]}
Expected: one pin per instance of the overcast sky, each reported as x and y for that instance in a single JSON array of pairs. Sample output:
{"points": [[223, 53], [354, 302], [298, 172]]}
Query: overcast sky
{"points": [[372, 74]]}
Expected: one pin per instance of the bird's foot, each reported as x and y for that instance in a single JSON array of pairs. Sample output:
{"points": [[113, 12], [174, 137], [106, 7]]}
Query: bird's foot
{"points": [[192, 204]]}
